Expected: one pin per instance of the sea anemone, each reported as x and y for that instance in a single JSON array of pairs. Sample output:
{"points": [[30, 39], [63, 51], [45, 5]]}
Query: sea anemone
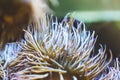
{"points": [[6, 57], [113, 73], [53, 50]]}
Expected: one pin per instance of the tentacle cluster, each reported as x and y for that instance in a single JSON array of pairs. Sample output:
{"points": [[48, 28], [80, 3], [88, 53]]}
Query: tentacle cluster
{"points": [[56, 51], [113, 73]]}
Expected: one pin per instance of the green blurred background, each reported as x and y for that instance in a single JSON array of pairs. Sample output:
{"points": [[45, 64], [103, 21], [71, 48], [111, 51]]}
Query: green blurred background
{"points": [[103, 16], [90, 10]]}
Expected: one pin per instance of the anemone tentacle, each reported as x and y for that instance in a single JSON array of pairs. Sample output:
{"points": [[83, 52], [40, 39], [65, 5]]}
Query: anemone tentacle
{"points": [[58, 50]]}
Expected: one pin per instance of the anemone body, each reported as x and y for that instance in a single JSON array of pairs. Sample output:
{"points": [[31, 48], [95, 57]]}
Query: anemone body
{"points": [[53, 50]]}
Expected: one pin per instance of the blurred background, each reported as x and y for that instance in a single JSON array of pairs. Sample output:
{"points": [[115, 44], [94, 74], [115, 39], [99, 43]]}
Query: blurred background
{"points": [[102, 16]]}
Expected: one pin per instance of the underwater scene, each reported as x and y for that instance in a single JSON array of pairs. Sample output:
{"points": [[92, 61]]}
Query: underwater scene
{"points": [[59, 40]]}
